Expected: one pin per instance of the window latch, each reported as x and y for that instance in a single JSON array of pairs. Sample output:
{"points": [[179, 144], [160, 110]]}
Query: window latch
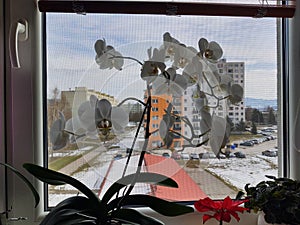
{"points": [[18, 32]]}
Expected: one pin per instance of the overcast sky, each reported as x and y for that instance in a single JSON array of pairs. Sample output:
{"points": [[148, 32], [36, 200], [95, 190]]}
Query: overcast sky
{"points": [[71, 38]]}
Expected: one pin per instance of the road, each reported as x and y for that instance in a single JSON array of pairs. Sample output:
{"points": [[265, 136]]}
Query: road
{"points": [[257, 148], [215, 187]]}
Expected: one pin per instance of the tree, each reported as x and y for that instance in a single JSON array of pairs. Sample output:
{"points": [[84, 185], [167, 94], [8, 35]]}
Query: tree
{"points": [[271, 116], [241, 126], [53, 106], [257, 116], [254, 128]]}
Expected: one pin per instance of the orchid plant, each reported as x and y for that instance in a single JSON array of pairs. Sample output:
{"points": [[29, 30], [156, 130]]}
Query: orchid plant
{"points": [[222, 210], [170, 70]]}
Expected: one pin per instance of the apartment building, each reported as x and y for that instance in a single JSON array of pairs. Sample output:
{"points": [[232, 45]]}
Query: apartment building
{"points": [[235, 112], [73, 98], [237, 71], [159, 104]]}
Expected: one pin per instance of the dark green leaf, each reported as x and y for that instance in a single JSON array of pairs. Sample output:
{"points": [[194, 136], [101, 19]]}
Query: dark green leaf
{"points": [[52, 177], [77, 208], [70, 217], [161, 206], [134, 217], [153, 178], [27, 182], [239, 195]]}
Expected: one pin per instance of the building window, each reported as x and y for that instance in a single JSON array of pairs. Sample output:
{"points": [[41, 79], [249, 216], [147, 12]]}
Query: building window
{"points": [[154, 125]]}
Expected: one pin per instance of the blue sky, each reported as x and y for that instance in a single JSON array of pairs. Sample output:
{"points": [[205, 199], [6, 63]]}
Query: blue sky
{"points": [[71, 38]]}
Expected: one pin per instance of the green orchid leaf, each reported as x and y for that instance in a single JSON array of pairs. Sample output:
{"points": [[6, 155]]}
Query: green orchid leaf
{"points": [[71, 217], [73, 210], [27, 182], [132, 216], [161, 206], [153, 178], [55, 178]]}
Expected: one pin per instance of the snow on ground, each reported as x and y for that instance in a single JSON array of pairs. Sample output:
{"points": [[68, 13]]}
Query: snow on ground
{"points": [[235, 171], [239, 172]]}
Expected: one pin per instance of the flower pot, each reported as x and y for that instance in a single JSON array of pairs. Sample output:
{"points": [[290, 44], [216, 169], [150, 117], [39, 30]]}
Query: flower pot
{"points": [[261, 220]]}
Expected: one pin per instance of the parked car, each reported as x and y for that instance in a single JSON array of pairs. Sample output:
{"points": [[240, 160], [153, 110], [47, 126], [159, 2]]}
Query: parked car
{"points": [[239, 155], [207, 155], [118, 156], [185, 156], [255, 141], [231, 155], [166, 155], [175, 155], [194, 156], [247, 143], [270, 152]]}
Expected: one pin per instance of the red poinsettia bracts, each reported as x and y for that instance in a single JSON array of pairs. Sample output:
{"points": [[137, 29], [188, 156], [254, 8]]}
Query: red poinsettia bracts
{"points": [[223, 210]]}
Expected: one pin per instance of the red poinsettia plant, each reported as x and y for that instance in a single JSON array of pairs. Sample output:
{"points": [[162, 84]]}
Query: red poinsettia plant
{"points": [[222, 209]]}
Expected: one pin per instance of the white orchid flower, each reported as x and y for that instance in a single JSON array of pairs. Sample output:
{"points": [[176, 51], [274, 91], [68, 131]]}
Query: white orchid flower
{"points": [[73, 125], [183, 56], [193, 71], [212, 51], [99, 116], [165, 127], [236, 93], [218, 134], [154, 66], [107, 56], [199, 99], [170, 45], [109, 118], [169, 83], [86, 116], [58, 137], [212, 74]]}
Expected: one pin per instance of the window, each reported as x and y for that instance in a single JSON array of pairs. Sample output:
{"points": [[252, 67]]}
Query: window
{"points": [[155, 125], [19, 96], [154, 117], [78, 77]]}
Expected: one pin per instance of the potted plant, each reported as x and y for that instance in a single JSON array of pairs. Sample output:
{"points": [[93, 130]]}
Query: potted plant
{"points": [[89, 209], [221, 210], [278, 199], [111, 209]]}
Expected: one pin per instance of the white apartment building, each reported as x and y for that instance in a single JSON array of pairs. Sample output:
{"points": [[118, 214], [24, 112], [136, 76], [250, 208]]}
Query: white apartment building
{"points": [[235, 112], [237, 71]]}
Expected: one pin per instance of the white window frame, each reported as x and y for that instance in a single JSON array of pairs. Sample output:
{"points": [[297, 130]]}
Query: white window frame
{"points": [[24, 134], [23, 108]]}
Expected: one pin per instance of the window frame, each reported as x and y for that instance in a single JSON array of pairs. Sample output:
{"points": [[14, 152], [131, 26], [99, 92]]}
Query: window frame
{"points": [[2, 112], [153, 110], [217, 8], [29, 150]]}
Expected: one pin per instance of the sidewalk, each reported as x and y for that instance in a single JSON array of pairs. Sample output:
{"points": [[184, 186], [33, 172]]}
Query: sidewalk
{"points": [[211, 185], [73, 166]]}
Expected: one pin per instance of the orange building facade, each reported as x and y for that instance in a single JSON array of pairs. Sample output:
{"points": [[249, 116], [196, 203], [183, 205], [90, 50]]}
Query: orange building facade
{"points": [[159, 103]]}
